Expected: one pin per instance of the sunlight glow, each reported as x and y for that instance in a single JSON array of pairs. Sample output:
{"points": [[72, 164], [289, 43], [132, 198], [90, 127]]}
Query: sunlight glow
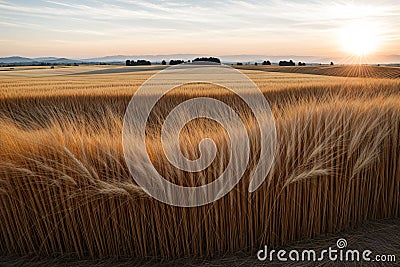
{"points": [[360, 38]]}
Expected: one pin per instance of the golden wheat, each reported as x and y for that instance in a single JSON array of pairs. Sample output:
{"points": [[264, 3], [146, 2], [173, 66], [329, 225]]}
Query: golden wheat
{"points": [[364, 71], [65, 187]]}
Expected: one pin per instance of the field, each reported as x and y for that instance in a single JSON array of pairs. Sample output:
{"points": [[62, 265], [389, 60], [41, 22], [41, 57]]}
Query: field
{"points": [[65, 188], [342, 71]]}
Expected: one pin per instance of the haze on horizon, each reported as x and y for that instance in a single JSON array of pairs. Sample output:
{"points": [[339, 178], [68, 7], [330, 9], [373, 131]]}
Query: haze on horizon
{"points": [[82, 29]]}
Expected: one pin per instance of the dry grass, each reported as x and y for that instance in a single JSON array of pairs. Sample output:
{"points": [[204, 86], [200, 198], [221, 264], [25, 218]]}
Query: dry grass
{"points": [[65, 188]]}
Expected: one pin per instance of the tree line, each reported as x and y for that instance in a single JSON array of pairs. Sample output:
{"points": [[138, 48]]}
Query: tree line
{"points": [[172, 61], [139, 62]]}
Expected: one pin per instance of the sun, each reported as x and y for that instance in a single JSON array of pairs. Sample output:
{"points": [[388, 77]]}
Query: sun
{"points": [[359, 38]]}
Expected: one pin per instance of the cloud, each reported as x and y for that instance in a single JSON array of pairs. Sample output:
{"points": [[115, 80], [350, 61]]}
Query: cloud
{"points": [[227, 22]]}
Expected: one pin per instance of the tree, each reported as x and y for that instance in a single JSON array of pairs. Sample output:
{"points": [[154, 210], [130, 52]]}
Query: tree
{"points": [[332, 63], [255, 64], [266, 62], [139, 62], [239, 63], [209, 59], [163, 62], [176, 61], [286, 63]]}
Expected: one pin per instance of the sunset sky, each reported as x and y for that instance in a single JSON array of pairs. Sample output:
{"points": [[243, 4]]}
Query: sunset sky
{"points": [[81, 29]]}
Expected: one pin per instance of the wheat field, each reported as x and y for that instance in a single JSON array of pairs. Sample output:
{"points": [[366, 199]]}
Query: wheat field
{"points": [[65, 188], [365, 71]]}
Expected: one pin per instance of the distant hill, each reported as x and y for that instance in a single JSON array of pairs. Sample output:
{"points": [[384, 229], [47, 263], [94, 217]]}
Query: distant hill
{"points": [[152, 58], [227, 59], [63, 61], [47, 60], [15, 59]]}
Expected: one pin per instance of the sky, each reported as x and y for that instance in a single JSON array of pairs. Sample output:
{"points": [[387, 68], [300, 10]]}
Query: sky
{"points": [[83, 29]]}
